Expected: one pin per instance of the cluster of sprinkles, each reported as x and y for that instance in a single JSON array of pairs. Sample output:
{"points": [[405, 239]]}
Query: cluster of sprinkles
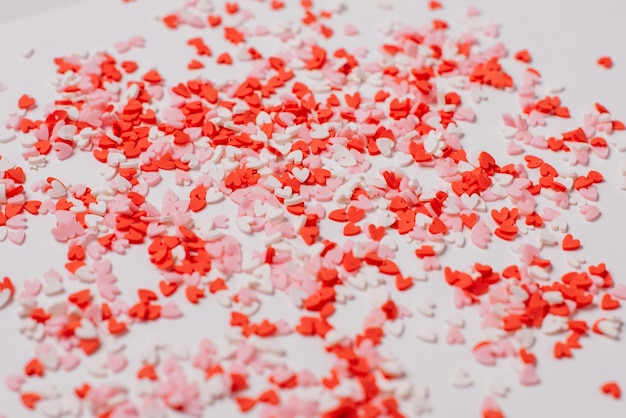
{"points": [[333, 164]]}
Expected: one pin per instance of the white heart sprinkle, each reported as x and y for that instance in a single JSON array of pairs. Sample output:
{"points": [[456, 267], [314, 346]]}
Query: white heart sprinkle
{"points": [[461, 379]]}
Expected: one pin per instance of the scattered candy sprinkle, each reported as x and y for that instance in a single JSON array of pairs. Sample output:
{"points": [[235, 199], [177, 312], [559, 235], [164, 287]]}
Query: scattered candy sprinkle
{"points": [[306, 184], [605, 62], [612, 389]]}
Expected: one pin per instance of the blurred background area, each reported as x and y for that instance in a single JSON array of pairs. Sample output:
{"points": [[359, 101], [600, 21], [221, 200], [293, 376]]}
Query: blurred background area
{"points": [[15, 9]]}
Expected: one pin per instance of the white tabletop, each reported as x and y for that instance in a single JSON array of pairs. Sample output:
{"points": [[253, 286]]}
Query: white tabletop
{"points": [[17, 9], [564, 37]]}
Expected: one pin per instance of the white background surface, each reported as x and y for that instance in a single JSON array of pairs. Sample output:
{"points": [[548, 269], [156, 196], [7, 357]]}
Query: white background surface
{"points": [[564, 38], [15, 9]]}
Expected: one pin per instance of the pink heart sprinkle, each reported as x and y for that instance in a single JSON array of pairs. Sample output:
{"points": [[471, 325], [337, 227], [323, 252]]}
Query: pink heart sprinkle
{"points": [[116, 362], [461, 299], [503, 348], [171, 311], [589, 131], [589, 119], [561, 199], [524, 136], [484, 355], [122, 47], [246, 296], [350, 30], [47, 206], [155, 91], [591, 213], [282, 327], [156, 229], [245, 353], [549, 214], [601, 152], [17, 237], [282, 374], [69, 362], [582, 156], [95, 250], [42, 133], [91, 116], [15, 382], [62, 150], [454, 336], [539, 142], [589, 193], [137, 41], [528, 376], [619, 291], [261, 30], [465, 114], [513, 148], [306, 378], [480, 235], [93, 312], [14, 122], [526, 206], [489, 404], [16, 222], [151, 178], [404, 312], [430, 263]]}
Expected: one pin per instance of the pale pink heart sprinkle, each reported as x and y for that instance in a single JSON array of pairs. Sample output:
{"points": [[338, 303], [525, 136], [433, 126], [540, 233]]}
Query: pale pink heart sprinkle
{"points": [[513, 148], [601, 152], [465, 114], [590, 212], [69, 362], [549, 214], [282, 327], [376, 318], [461, 299], [17, 236], [17, 221], [454, 336], [589, 131], [619, 291], [528, 376], [485, 355], [430, 263], [582, 156], [261, 30], [561, 199], [171, 311], [15, 382], [32, 287], [589, 193], [122, 47], [155, 91], [480, 235], [489, 403], [116, 362], [94, 313], [246, 296], [137, 41], [41, 133], [62, 150], [539, 142], [350, 30], [13, 122], [232, 260], [503, 348]]}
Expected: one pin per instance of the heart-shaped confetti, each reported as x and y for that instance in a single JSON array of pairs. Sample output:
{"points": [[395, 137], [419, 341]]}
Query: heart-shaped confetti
{"points": [[337, 176]]}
